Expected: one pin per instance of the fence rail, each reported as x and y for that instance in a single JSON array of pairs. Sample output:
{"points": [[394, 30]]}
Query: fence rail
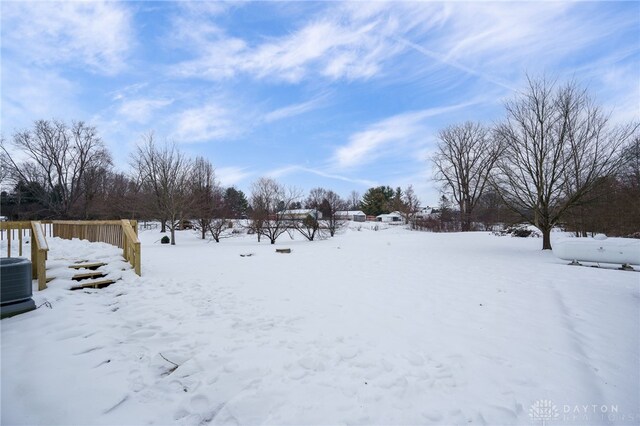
{"points": [[39, 252], [109, 232], [120, 233], [14, 232], [39, 246], [131, 245]]}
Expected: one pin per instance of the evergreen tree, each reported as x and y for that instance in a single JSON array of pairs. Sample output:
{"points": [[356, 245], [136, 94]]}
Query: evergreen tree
{"points": [[236, 203], [377, 200]]}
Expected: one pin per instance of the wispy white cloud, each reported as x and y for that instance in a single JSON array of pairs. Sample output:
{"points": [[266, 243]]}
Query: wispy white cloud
{"points": [[496, 42], [499, 42], [221, 118], [391, 133], [209, 122], [294, 169], [622, 90], [489, 33], [293, 110], [229, 176], [343, 42], [142, 109], [97, 34], [29, 94], [127, 91], [445, 60]]}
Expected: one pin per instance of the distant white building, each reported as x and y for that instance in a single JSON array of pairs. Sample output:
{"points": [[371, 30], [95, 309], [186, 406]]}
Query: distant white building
{"points": [[425, 212], [391, 217], [300, 214], [354, 215]]}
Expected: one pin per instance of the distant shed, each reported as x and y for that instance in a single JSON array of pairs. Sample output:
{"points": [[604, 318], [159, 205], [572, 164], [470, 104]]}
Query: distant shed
{"points": [[353, 215], [389, 218]]}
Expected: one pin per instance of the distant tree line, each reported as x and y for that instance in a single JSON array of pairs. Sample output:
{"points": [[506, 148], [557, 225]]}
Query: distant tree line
{"points": [[556, 159], [62, 171]]}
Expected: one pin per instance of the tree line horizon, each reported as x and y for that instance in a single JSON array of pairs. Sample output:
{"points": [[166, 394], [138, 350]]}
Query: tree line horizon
{"points": [[555, 159]]}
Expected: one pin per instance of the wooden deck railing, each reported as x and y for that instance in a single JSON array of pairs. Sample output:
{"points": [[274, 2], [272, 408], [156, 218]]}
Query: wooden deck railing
{"points": [[131, 245], [39, 246], [14, 232], [120, 233], [39, 251]]}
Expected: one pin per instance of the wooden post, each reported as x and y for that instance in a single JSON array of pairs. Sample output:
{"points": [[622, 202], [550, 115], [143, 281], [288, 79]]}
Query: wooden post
{"points": [[138, 262], [42, 270], [9, 232], [39, 248], [20, 242], [34, 256]]}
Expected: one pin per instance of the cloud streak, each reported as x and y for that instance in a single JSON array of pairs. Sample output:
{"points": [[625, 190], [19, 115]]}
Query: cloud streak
{"points": [[294, 169], [209, 122], [342, 43], [293, 110], [386, 135], [97, 34], [141, 110]]}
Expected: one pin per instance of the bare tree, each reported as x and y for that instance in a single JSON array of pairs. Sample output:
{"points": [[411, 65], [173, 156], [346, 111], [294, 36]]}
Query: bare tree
{"points": [[332, 204], [60, 161], [268, 200], [465, 155], [166, 173], [4, 162], [558, 145], [409, 204], [630, 159], [328, 203], [354, 201], [219, 227], [309, 227], [207, 195], [119, 197]]}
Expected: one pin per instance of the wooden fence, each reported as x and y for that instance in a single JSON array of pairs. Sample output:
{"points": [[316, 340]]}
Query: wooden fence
{"points": [[14, 232], [120, 233]]}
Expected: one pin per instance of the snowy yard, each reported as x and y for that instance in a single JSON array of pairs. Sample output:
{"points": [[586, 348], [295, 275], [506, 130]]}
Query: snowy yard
{"points": [[386, 327]]}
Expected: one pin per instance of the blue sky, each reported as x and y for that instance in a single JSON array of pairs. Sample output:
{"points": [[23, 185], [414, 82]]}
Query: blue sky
{"points": [[340, 95]]}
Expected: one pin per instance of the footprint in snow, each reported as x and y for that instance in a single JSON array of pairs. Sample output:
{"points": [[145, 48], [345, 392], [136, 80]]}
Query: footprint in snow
{"points": [[311, 364], [415, 359], [433, 416], [86, 351], [347, 353]]}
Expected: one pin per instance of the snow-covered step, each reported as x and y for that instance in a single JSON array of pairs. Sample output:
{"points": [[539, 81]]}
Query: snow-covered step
{"points": [[87, 275], [93, 284], [85, 265]]}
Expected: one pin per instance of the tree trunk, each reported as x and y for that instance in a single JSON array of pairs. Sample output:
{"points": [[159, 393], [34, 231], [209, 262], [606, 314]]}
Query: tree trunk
{"points": [[546, 238], [173, 235], [163, 225]]}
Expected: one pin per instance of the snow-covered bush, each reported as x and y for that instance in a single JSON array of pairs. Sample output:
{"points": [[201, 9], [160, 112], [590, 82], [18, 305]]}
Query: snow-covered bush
{"points": [[522, 231]]}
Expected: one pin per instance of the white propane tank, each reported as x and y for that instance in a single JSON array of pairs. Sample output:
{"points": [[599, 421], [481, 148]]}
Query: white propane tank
{"points": [[601, 250]]}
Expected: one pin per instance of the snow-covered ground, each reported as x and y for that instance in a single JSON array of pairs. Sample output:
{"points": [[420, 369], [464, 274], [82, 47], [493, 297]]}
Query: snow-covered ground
{"points": [[369, 327]]}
